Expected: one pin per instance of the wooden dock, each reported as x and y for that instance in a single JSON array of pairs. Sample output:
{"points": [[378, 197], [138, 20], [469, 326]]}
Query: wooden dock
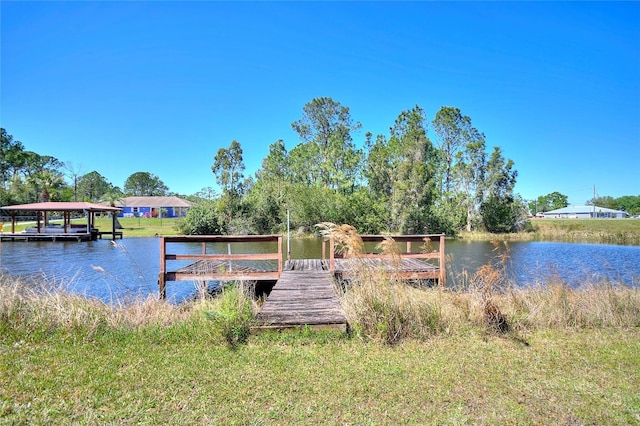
{"points": [[24, 236], [61, 236], [304, 293], [428, 263], [229, 266], [46, 230], [303, 296], [114, 234]]}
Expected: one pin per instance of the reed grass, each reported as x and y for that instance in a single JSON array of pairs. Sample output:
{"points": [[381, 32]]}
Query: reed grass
{"points": [[380, 307], [44, 306]]}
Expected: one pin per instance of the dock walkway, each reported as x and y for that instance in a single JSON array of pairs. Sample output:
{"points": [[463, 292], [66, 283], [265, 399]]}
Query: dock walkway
{"points": [[304, 295]]}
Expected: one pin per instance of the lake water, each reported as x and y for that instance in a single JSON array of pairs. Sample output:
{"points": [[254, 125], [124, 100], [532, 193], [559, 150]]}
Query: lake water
{"points": [[130, 267]]}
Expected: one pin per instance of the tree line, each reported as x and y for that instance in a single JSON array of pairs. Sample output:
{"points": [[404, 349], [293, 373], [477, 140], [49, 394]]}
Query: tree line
{"points": [[29, 177], [402, 181], [399, 182]]}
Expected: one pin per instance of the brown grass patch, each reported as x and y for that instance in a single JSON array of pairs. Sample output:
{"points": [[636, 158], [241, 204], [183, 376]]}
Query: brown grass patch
{"points": [[46, 305]]}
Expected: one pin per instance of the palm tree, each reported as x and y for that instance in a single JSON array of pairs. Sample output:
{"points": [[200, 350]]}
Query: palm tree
{"points": [[112, 197], [47, 184]]}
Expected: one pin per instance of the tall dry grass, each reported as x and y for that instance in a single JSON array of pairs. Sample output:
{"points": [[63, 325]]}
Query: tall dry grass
{"points": [[377, 304], [42, 304], [346, 238], [556, 304], [381, 307]]}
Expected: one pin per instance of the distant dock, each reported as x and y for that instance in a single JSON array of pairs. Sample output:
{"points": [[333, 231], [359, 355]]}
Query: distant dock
{"points": [[46, 213]]}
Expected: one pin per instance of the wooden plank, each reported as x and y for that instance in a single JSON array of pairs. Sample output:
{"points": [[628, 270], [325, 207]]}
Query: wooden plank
{"points": [[221, 238], [217, 266], [248, 256], [226, 276], [220, 267], [402, 238], [407, 269], [304, 295]]}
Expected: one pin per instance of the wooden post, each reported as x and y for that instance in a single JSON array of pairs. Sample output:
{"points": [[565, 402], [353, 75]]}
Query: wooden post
{"points": [[280, 255], [408, 247], [288, 237], [162, 278], [113, 225], [442, 280], [332, 257]]}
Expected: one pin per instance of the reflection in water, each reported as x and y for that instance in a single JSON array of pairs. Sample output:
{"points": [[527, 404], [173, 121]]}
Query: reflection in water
{"points": [[129, 267]]}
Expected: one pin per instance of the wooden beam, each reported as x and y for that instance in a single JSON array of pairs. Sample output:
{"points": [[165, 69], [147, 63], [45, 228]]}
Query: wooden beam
{"points": [[162, 277]]}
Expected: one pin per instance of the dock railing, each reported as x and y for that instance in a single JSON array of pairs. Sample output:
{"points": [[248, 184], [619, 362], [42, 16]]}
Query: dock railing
{"points": [[217, 266], [437, 271]]}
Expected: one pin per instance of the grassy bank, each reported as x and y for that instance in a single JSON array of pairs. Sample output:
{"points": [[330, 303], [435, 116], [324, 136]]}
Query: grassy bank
{"points": [[611, 231], [178, 377], [608, 231], [141, 227], [133, 227], [565, 360], [617, 231]]}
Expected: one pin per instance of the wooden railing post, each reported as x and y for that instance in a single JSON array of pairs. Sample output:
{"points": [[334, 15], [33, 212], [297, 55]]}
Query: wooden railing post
{"points": [[280, 254], [162, 278], [332, 255], [442, 280]]}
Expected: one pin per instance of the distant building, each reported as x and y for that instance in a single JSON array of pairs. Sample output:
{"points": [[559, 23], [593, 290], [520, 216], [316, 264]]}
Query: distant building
{"points": [[584, 212], [153, 207]]}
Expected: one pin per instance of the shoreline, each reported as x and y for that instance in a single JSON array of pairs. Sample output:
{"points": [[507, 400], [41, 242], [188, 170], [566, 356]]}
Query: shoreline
{"points": [[599, 231]]}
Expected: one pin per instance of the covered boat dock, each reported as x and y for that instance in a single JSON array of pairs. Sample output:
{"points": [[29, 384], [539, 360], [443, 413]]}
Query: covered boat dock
{"points": [[45, 229]]}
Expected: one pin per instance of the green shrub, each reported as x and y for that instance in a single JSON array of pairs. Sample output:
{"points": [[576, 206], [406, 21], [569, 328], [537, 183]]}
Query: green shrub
{"points": [[234, 316], [202, 219]]}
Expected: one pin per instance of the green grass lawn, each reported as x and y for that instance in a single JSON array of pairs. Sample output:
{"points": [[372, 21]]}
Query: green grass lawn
{"points": [[593, 225], [613, 231], [570, 357], [177, 375], [140, 227], [619, 231], [133, 227]]}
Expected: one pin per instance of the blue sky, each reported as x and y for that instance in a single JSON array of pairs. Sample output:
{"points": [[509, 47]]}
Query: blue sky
{"points": [[122, 87]]}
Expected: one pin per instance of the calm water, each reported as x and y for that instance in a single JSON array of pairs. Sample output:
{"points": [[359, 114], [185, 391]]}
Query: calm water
{"points": [[130, 267]]}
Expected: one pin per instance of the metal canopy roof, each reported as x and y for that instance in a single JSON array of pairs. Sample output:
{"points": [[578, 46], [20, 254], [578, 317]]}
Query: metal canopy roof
{"points": [[583, 209], [60, 206]]}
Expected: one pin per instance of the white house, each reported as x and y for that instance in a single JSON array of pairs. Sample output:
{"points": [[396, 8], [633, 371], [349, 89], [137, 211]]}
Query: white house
{"points": [[584, 212]]}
